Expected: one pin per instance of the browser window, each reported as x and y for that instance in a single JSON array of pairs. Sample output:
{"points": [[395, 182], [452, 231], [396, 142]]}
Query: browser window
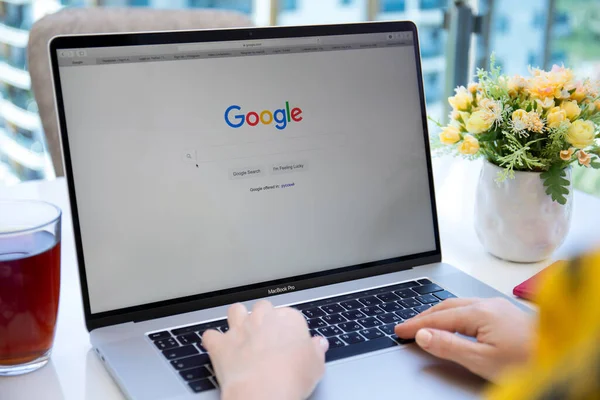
{"points": [[204, 167]]}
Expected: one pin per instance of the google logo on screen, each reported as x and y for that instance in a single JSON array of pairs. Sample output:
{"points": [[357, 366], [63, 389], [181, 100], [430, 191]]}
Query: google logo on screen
{"points": [[280, 117]]}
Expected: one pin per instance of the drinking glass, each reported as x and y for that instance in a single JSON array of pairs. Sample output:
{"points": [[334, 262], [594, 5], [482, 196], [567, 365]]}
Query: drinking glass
{"points": [[29, 283]]}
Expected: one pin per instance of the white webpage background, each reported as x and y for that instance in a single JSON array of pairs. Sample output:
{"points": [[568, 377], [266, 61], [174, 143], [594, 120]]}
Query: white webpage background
{"points": [[156, 227]]}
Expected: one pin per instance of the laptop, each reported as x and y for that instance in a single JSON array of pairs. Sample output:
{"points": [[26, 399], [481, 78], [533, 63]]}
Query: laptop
{"points": [[218, 166]]}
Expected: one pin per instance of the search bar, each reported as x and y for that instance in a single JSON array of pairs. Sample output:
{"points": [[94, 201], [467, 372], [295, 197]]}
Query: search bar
{"points": [[250, 44], [292, 145]]}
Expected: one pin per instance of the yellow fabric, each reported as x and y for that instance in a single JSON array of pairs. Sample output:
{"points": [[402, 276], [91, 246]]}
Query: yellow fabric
{"points": [[566, 360]]}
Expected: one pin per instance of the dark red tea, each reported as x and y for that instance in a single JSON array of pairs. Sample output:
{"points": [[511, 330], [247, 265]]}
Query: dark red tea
{"points": [[29, 291]]}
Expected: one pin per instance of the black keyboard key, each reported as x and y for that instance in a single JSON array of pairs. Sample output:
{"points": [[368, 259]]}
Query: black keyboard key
{"points": [[352, 338], [313, 332], [189, 338], [367, 346], [443, 295], [406, 314], [406, 293], [398, 340], [335, 342], [179, 352], [164, 344], [352, 315], [404, 285], [409, 303], [330, 331], [424, 281], [372, 333], [199, 327], [387, 297], [189, 362], [369, 322], [372, 311], [428, 289], [370, 301], [224, 329], [390, 318], [388, 329], [313, 312], [159, 335], [351, 305], [332, 308], [350, 327], [427, 299], [195, 373], [316, 323], [422, 308], [334, 319], [391, 307], [201, 386], [201, 348], [201, 332]]}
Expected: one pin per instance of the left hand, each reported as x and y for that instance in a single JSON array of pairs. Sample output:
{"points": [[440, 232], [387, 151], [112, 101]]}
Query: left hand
{"points": [[268, 354]]}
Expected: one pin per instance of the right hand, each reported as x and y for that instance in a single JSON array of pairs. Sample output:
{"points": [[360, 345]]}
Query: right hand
{"points": [[503, 332], [268, 354]]}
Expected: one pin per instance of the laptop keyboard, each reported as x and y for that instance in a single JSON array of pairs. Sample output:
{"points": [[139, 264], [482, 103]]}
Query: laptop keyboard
{"points": [[354, 324]]}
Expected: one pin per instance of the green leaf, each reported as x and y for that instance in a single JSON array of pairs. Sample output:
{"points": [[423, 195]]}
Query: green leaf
{"points": [[595, 163], [556, 183], [488, 136]]}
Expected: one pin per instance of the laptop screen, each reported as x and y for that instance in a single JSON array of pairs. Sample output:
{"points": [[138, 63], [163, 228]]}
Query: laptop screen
{"points": [[199, 167]]}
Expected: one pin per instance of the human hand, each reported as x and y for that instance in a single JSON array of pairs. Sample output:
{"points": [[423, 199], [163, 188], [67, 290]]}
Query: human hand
{"points": [[502, 330], [267, 354]]}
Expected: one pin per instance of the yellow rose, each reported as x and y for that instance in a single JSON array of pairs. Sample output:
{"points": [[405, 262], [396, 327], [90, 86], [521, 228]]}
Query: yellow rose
{"points": [[579, 94], [450, 135], [571, 108], [469, 145], [519, 115], [548, 102], [581, 133], [461, 101], [597, 105], [479, 122], [556, 116]]}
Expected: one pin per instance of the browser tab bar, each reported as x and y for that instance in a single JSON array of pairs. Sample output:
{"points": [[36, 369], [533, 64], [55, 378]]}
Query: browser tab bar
{"points": [[246, 44]]}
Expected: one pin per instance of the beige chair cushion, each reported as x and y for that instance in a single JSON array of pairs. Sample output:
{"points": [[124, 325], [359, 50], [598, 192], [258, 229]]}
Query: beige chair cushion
{"points": [[103, 20]]}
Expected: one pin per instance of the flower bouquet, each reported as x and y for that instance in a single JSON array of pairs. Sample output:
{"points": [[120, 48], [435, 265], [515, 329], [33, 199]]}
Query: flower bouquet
{"points": [[530, 130]]}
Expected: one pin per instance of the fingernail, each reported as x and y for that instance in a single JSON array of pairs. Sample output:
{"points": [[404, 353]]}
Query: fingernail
{"points": [[324, 344], [423, 338]]}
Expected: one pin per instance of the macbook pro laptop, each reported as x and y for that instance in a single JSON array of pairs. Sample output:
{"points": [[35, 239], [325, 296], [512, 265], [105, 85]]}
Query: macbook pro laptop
{"points": [[220, 166]]}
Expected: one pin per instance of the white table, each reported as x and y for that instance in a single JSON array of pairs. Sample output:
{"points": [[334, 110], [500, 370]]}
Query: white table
{"points": [[74, 372]]}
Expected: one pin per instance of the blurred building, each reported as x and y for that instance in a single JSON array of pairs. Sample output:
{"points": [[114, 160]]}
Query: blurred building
{"points": [[518, 39]]}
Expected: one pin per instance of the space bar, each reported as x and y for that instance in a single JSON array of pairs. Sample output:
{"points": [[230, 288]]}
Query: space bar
{"points": [[359, 348]]}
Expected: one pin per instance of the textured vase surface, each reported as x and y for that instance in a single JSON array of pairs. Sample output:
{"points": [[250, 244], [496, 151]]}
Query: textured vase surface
{"points": [[516, 220]]}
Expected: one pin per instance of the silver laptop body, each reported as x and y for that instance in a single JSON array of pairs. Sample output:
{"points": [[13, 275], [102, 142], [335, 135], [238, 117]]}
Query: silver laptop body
{"points": [[220, 166]]}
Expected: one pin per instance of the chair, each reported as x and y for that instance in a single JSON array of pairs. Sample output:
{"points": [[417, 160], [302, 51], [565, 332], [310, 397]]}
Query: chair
{"points": [[103, 20]]}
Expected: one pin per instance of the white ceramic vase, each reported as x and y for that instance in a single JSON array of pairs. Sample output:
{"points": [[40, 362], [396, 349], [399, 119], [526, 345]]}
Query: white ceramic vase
{"points": [[516, 220]]}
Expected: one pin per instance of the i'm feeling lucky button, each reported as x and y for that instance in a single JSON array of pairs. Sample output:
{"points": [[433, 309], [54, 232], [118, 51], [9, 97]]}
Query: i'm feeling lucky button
{"points": [[283, 168]]}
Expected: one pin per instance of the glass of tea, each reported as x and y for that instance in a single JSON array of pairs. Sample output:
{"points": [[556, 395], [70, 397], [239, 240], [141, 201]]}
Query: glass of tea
{"points": [[29, 283]]}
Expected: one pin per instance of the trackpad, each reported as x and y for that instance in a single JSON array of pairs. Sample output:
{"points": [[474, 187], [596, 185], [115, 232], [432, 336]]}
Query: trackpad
{"points": [[406, 372]]}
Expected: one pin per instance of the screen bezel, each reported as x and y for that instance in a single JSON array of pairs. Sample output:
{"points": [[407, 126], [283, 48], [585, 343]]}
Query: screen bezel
{"points": [[248, 292]]}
